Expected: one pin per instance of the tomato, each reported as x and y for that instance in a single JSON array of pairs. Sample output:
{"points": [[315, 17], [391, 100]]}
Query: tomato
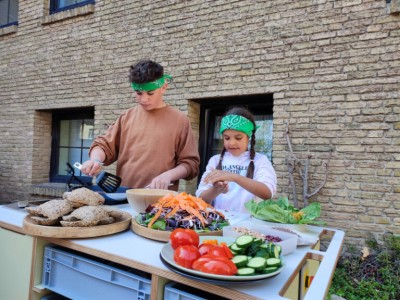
{"points": [[206, 248], [203, 259], [181, 236], [228, 251], [185, 255], [215, 265], [217, 250]]}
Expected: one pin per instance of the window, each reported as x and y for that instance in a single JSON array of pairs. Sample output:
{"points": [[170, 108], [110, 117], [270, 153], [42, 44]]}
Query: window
{"points": [[60, 5], [210, 141], [8, 13], [72, 135]]}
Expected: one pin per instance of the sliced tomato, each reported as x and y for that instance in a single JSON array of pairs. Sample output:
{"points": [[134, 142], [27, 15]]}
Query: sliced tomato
{"points": [[182, 236], [228, 251], [218, 267], [185, 255], [206, 248], [202, 265], [196, 265], [214, 250]]}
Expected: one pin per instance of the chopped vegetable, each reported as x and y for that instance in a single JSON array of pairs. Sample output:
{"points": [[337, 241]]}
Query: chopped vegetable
{"points": [[182, 211]]}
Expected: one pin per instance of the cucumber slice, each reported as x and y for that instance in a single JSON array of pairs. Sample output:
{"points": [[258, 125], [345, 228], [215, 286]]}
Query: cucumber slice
{"points": [[257, 263], [252, 249], [246, 272], [244, 241], [265, 246], [269, 270], [240, 260], [235, 248], [279, 248], [262, 253], [276, 251], [258, 241], [273, 262]]}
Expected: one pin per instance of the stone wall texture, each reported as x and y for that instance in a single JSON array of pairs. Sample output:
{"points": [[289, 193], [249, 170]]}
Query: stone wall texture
{"points": [[333, 68]]}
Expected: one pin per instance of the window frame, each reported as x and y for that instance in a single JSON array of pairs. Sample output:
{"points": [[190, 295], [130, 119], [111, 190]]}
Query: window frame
{"points": [[55, 7], [58, 116], [258, 104], [8, 16]]}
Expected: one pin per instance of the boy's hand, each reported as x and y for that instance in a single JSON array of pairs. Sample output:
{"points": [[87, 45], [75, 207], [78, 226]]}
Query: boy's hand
{"points": [[91, 167]]}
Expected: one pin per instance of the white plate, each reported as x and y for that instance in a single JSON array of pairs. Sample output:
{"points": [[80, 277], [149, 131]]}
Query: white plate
{"points": [[167, 253]]}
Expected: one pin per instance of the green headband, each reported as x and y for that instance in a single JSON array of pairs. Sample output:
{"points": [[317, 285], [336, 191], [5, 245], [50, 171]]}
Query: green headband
{"points": [[150, 86], [237, 122]]}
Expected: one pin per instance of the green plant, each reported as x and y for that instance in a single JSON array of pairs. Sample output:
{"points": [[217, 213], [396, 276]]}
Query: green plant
{"points": [[370, 277]]}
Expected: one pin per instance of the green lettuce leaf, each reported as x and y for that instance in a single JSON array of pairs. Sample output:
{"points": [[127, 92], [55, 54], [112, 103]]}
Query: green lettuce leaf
{"points": [[280, 211]]}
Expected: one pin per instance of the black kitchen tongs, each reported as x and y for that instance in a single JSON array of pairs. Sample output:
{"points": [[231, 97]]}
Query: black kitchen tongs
{"points": [[106, 181]]}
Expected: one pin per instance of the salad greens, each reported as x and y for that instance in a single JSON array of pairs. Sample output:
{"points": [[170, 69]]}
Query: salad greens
{"points": [[215, 221], [280, 211]]}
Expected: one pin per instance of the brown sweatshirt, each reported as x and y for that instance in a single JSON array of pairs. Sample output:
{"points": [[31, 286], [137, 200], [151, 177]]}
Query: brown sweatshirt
{"points": [[148, 143]]}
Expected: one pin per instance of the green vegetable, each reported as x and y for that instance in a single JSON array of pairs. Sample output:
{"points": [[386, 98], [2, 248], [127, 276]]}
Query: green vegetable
{"points": [[273, 262], [244, 241], [254, 254], [159, 225], [246, 272], [240, 260], [258, 263], [269, 270], [281, 212]]}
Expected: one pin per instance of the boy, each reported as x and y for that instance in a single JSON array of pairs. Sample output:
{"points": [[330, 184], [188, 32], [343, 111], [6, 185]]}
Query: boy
{"points": [[153, 142]]}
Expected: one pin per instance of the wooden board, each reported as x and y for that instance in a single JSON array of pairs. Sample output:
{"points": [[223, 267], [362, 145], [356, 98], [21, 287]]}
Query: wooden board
{"points": [[160, 235], [32, 228]]}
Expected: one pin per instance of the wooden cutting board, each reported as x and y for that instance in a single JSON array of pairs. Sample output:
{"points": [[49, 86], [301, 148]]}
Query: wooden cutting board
{"points": [[160, 235], [32, 228]]}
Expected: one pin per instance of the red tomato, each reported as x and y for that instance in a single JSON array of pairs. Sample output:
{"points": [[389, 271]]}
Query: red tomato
{"points": [[199, 262], [209, 264], [218, 267], [215, 250], [228, 251], [181, 236], [206, 248], [185, 255]]}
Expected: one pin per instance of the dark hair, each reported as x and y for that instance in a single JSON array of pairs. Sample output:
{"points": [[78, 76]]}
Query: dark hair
{"points": [[241, 111], [145, 71]]}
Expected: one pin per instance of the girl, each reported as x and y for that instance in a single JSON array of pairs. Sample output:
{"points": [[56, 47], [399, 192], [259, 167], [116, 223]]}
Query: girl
{"points": [[237, 175]]}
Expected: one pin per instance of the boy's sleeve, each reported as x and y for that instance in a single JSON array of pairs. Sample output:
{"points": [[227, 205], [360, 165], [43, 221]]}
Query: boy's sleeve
{"points": [[109, 142]]}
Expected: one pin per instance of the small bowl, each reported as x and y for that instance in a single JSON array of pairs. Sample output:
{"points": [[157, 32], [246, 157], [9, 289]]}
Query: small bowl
{"points": [[140, 199]]}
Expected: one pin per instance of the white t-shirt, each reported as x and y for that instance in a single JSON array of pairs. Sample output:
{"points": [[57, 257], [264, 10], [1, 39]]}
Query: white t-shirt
{"points": [[237, 196]]}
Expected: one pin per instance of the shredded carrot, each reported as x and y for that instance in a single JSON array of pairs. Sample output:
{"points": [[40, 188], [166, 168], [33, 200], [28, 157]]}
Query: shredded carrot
{"points": [[182, 201]]}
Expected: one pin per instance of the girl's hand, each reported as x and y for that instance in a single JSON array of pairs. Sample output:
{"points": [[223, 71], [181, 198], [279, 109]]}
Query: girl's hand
{"points": [[221, 187], [219, 176]]}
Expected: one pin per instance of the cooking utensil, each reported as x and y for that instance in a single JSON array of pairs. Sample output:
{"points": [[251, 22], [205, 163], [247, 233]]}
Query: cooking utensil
{"points": [[71, 182], [106, 181]]}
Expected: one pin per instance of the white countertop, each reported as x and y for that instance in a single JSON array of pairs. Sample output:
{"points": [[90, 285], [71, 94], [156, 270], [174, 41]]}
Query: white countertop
{"points": [[130, 246]]}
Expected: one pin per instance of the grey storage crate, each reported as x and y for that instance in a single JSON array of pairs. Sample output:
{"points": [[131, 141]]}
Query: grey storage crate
{"points": [[176, 291], [78, 276], [54, 296]]}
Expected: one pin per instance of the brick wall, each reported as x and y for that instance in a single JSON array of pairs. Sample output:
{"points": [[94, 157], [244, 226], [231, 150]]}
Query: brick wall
{"points": [[332, 66]]}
